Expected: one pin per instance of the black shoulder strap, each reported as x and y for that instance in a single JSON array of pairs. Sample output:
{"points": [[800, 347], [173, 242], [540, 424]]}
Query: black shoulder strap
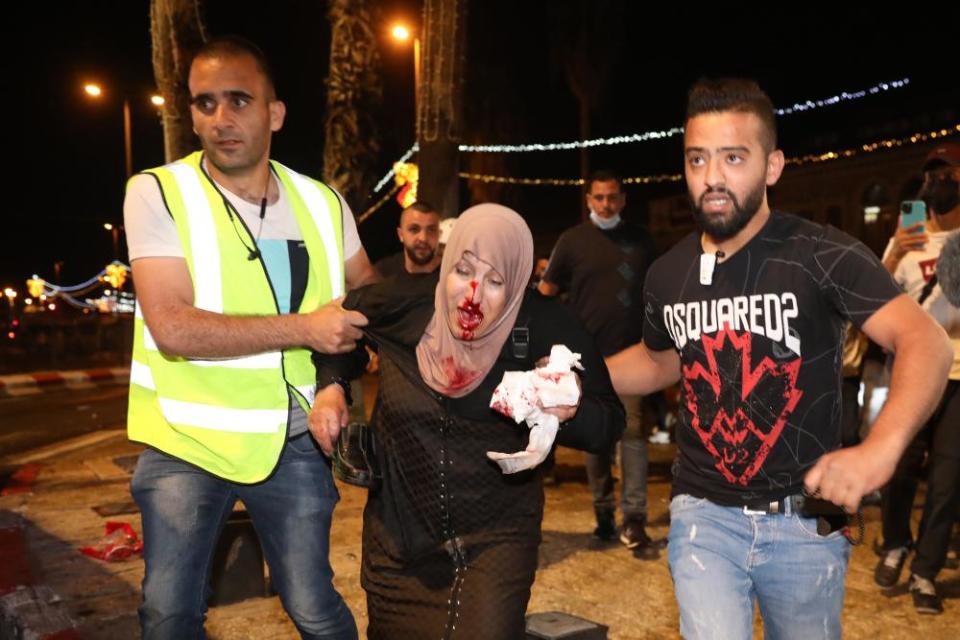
{"points": [[520, 338], [927, 289]]}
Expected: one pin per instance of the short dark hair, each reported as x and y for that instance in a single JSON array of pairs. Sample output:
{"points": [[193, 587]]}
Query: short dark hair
{"points": [[422, 206], [715, 95], [232, 45], [604, 175]]}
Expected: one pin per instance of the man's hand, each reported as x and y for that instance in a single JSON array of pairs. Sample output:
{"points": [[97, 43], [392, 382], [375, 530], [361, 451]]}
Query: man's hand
{"points": [[566, 412], [333, 329], [328, 415], [843, 477]]}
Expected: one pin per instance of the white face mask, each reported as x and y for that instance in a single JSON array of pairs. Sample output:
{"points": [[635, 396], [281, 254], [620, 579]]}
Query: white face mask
{"points": [[604, 223]]}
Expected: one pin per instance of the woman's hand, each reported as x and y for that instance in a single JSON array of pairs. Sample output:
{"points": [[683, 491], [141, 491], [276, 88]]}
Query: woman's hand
{"points": [[328, 415]]}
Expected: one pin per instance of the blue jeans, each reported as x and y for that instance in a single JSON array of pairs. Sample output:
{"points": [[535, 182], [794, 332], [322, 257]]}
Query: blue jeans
{"points": [[184, 510], [722, 559], [633, 466]]}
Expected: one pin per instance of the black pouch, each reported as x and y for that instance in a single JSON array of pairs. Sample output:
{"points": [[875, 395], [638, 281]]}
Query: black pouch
{"points": [[830, 517], [354, 456]]}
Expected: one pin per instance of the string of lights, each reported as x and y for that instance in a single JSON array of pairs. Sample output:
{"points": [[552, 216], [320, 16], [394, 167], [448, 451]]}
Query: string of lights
{"points": [[576, 144], [73, 302], [110, 274], [379, 203], [879, 145], [406, 156], [844, 96], [798, 107], [825, 156]]}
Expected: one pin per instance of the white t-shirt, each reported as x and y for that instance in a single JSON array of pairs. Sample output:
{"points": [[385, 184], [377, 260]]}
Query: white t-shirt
{"points": [[912, 274], [151, 232]]}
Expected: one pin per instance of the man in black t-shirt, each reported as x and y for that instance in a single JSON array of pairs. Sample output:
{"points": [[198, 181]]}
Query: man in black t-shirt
{"points": [[748, 315], [419, 233], [601, 264]]}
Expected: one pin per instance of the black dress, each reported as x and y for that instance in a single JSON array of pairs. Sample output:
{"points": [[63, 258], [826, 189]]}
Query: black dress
{"points": [[450, 542]]}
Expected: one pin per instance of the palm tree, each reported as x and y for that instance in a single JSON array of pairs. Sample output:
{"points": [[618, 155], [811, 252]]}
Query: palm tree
{"points": [[354, 93], [176, 30]]}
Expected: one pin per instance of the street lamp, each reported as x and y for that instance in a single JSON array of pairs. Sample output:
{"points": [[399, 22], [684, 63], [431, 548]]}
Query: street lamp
{"points": [[114, 230], [11, 295], [95, 91], [401, 33]]}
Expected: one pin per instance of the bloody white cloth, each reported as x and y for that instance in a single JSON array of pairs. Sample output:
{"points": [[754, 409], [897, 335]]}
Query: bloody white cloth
{"points": [[522, 395]]}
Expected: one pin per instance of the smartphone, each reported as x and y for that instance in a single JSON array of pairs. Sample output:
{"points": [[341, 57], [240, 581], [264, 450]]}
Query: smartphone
{"points": [[912, 212]]}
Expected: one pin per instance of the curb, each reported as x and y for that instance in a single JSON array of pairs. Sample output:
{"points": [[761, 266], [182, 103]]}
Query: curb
{"points": [[26, 381]]}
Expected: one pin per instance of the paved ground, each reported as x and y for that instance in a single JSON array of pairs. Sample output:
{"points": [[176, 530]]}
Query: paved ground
{"points": [[632, 596]]}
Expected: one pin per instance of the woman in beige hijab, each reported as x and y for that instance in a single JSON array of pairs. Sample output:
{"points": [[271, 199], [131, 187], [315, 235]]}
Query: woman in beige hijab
{"points": [[449, 542]]}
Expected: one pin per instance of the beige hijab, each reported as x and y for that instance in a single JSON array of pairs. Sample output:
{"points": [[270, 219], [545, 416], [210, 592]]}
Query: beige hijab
{"points": [[498, 236]]}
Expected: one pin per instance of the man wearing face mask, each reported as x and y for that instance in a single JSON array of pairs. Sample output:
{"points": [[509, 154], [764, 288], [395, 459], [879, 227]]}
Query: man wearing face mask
{"points": [[911, 256], [601, 265]]}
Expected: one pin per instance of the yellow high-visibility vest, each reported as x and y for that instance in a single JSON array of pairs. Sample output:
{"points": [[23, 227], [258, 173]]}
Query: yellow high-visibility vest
{"points": [[229, 416]]}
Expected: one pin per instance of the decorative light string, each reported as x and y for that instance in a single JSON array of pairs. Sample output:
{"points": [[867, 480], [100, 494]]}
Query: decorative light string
{"points": [[379, 203], [49, 289], [826, 156], [799, 107], [577, 144], [406, 156], [842, 97], [880, 145]]}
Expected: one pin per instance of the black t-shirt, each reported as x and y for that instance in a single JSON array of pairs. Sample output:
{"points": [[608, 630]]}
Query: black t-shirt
{"points": [[390, 265], [602, 271], [761, 353]]}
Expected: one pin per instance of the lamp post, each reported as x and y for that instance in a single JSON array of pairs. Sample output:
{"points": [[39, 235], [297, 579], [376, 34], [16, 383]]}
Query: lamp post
{"points": [[11, 295], [114, 230], [401, 33], [96, 91]]}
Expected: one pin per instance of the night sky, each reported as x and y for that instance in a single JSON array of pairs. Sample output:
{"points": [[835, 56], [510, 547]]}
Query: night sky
{"points": [[71, 179]]}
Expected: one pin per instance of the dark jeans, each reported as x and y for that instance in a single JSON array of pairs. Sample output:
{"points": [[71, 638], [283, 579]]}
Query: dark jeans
{"points": [[940, 439], [633, 465], [184, 510]]}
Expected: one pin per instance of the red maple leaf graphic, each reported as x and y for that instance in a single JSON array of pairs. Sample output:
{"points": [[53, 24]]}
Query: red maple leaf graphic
{"points": [[767, 394]]}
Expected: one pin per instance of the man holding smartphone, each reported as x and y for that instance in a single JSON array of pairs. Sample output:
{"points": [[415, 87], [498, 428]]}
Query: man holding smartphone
{"points": [[911, 256]]}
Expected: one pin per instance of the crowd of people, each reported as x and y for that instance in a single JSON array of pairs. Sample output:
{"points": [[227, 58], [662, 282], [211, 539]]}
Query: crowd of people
{"points": [[257, 306]]}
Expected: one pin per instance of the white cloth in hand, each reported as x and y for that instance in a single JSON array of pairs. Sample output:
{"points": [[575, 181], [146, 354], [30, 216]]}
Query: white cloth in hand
{"points": [[521, 394], [538, 448]]}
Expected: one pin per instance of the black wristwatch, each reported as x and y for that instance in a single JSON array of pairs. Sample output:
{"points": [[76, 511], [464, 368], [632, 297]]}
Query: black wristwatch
{"points": [[343, 382]]}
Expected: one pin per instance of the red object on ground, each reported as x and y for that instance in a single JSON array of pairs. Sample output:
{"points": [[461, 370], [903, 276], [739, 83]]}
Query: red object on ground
{"points": [[22, 479], [119, 542], [14, 570], [65, 634]]}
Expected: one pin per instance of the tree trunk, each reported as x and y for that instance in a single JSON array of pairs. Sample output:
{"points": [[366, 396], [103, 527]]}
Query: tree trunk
{"points": [[440, 104], [176, 30], [353, 99]]}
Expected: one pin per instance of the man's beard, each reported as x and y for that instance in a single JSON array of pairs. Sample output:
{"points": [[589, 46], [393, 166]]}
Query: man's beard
{"points": [[419, 260], [724, 229]]}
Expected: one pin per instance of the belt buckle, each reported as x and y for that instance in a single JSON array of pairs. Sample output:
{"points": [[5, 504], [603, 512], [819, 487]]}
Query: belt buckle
{"points": [[773, 507]]}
